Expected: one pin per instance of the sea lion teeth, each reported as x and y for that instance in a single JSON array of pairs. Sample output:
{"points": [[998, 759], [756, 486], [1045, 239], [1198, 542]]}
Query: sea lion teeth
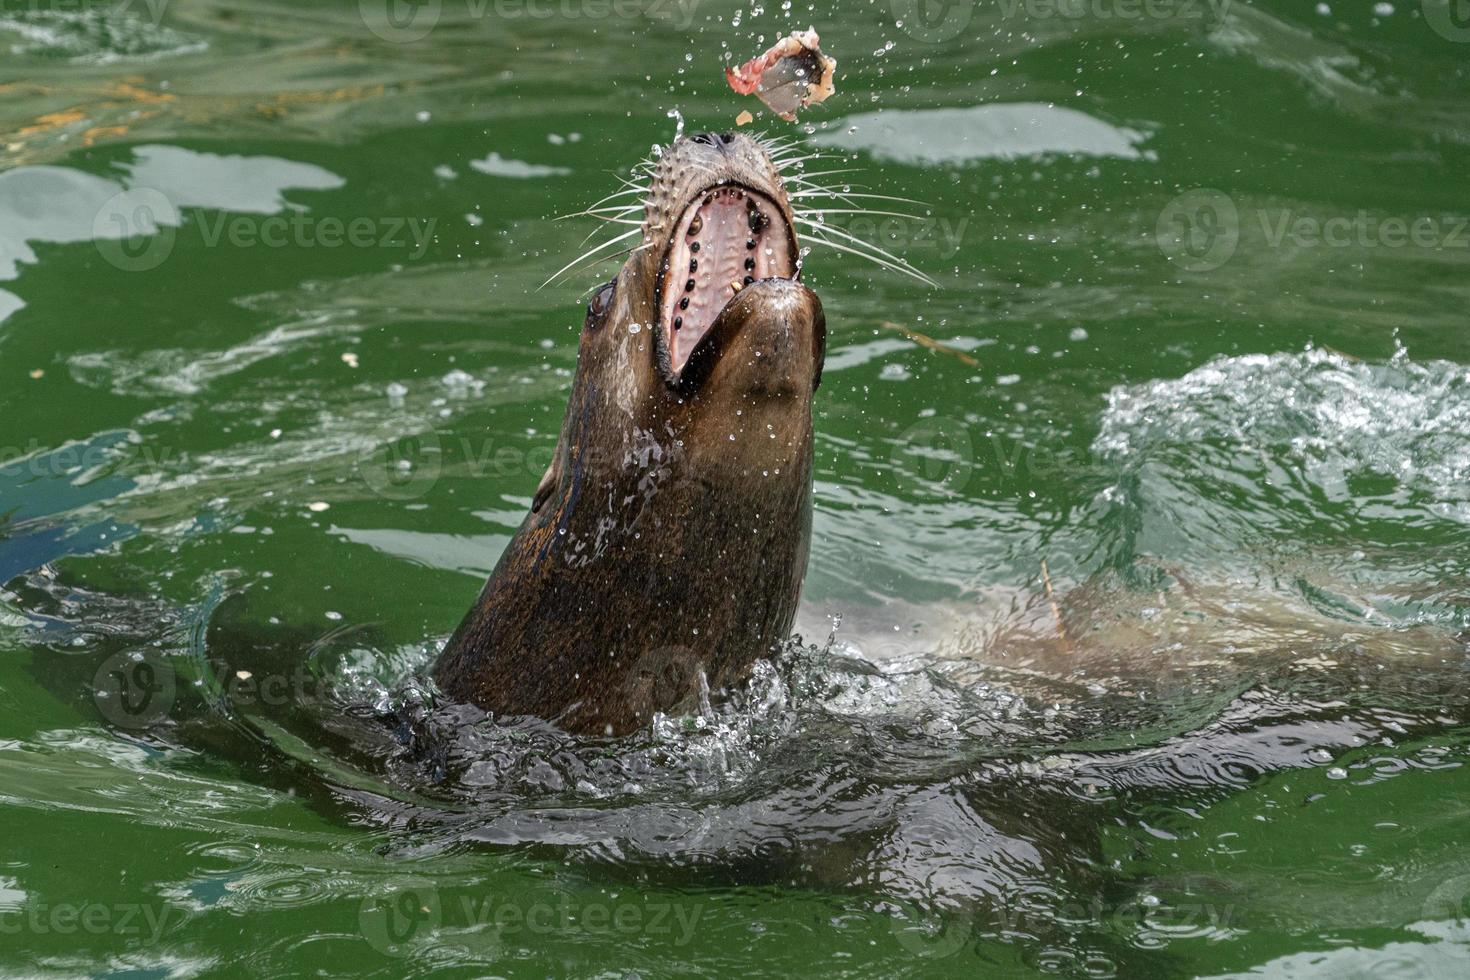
{"points": [[728, 214], [736, 285]]}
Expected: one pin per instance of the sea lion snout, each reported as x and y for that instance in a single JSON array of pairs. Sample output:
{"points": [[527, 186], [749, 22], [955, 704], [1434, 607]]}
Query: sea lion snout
{"points": [[770, 340]]}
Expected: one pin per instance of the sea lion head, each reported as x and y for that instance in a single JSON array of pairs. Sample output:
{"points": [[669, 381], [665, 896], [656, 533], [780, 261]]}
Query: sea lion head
{"points": [[668, 539], [709, 306]]}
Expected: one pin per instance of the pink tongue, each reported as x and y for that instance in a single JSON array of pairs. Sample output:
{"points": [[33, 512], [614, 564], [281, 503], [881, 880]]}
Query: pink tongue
{"points": [[715, 250]]}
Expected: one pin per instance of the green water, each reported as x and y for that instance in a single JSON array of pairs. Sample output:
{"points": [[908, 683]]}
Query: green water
{"points": [[1151, 574]]}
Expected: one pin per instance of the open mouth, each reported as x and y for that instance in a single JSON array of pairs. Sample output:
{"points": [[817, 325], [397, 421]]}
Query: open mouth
{"points": [[728, 238]]}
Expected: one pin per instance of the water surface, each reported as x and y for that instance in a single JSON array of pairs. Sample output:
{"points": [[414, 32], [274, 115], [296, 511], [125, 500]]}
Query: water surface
{"points": [[1134, 638]]}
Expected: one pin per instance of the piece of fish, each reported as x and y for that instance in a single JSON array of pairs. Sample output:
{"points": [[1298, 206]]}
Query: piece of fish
{"points": [[793, 75]]}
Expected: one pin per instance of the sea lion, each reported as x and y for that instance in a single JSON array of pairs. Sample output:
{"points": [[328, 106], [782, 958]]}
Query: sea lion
{"points": [[667, 542]]}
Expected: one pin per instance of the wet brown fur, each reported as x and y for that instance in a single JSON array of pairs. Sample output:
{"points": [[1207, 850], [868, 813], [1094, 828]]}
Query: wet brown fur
{"points": [[669, 537]]}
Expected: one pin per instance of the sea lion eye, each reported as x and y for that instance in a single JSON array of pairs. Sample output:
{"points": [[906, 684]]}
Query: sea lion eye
{"points": [[601, 303]]}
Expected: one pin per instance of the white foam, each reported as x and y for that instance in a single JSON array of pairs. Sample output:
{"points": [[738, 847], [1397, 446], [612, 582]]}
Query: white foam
{"points": [[496, 165], [1004, 131], [1320, 413]]}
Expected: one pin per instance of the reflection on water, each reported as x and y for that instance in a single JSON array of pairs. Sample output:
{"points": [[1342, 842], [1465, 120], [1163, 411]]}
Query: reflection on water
{"points": [[1010, 131], [57, 205], [99, 35]]}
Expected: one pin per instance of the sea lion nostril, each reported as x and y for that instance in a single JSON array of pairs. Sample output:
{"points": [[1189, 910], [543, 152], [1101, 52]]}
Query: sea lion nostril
{"points": [[703, 139]]}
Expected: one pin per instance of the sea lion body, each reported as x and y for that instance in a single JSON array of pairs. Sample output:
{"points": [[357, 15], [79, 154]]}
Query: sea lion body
{"points": [[668, 540]]}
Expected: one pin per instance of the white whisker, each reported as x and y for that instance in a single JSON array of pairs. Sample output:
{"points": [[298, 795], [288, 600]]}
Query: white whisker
{"points": [[869, 251], [807, 178], [621, 212], [881, 214], [911, 273], [623, 209], [596, 228], [871, 197], [588, 254], [789, 162], [614, 196]]}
